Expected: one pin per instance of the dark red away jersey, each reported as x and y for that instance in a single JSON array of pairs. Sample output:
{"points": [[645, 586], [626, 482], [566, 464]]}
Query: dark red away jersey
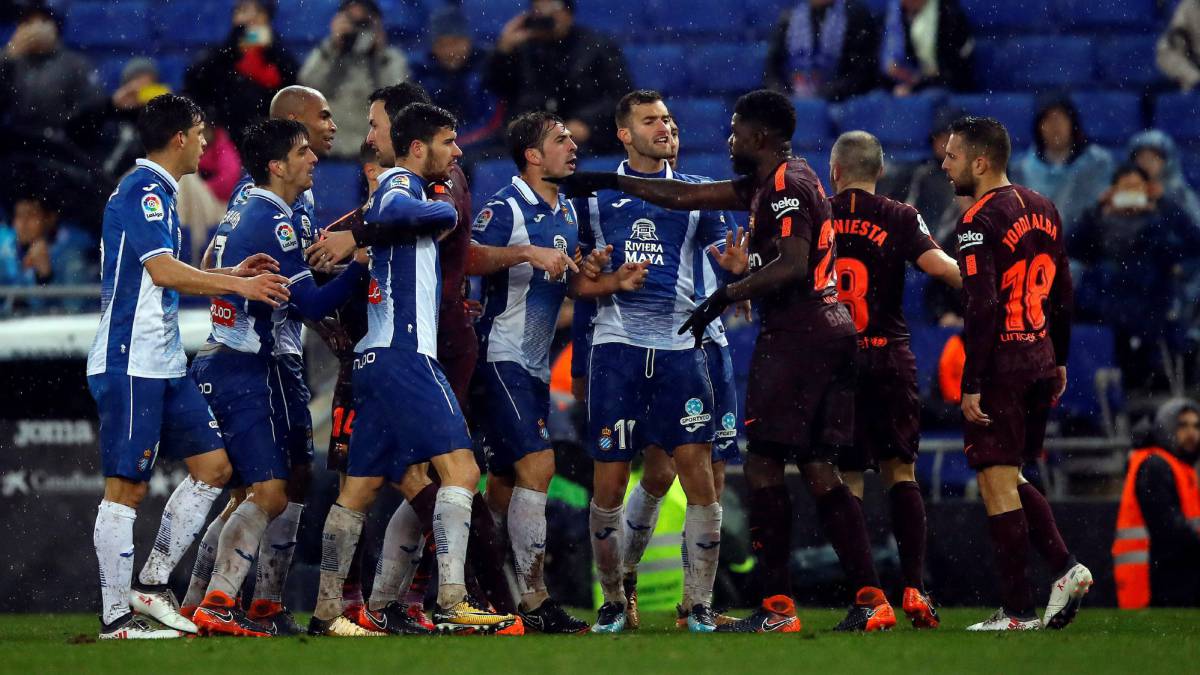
{"points": [[876, 236], [792, 203], [1017, 288], [455, 334]]}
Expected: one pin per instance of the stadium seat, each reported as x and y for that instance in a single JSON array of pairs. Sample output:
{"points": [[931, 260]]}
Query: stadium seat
{"points": [[338, 189], [199, 24], [990, 17], [171, 68], [927, 343], [1176, 114], [487, 17], [703, 123], [1093, 350], [819, 161], [1127, 61], [1109, 117], [109, 68], [698, 17], [1093, 14], [489, 176], [406, 17], [714, 165], [110, 24], [899, 123], [1015, 111], [814, 129], [726, 68], [615, 19], [1034, 63], [304, 22], [659, 67]]}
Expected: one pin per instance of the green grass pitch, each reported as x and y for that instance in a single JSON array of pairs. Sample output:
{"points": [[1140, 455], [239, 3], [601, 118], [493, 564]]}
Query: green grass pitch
{"points": [[1100, 641]]}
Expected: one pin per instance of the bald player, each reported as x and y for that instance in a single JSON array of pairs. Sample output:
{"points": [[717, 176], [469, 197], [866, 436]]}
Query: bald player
{"points": [[875, 237], [289, 393]]}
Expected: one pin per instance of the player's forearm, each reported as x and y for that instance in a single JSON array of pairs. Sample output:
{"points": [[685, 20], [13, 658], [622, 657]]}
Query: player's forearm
{"points": [[170, 273], [316, 302], [484, 260], [583, 288], [790, 267], [979, 339], [681, 196], [940, 266]]}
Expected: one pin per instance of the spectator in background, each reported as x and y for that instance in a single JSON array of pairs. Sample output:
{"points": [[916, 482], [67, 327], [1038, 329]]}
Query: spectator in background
{"points": [[544, 61], [1134, 248], [220, 165], [236, 80], [927, 43], [452, 73], [1178, 48], [817, 50], [353, 61], [1063, 165], [38, 250], [929, 192], [108, 131], [1157, 155], [42, 83]]}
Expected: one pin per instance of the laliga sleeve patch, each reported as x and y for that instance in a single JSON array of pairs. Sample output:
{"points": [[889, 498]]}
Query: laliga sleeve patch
{"points": [[152, 207], [399, 181], [482, 220], [286, 236]]}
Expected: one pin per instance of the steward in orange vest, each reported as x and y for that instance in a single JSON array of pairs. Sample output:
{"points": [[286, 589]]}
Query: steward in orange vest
{"points": [[1156, 553]]}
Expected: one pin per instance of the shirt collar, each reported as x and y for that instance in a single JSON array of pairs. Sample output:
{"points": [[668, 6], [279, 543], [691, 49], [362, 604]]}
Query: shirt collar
{"points": [[625, 170], [162, 173], [271, 197]]}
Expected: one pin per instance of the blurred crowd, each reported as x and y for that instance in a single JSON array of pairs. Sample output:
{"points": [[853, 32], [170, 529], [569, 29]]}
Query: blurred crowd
{"points": [[1132, 219]]}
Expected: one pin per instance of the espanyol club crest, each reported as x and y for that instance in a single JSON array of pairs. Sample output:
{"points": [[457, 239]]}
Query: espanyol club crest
{"points": [[152, 207], [306, 231], [286, 236], [696, 417], [605, 439], [543, 432]]}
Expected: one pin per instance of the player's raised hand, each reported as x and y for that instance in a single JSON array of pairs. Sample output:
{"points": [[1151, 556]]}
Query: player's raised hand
{"points": [[333, 248], [595, 262], [632, 276], [550, 260], [705, 314], [252, 266], [268, 288], [973, 412], [735, 259], [585, 183]]}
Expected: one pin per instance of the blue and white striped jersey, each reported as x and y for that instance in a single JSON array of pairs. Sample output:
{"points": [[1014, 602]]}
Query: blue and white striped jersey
{"points": [[709, 275], [304, 215], [406, 279], [521, 304], [670, 240], [139, 322]]}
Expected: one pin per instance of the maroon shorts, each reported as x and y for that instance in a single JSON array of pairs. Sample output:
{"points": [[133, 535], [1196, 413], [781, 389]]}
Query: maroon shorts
{"points": [[342, 422], [887, 409], [1019, 408], [459, 368], [800, 398]]}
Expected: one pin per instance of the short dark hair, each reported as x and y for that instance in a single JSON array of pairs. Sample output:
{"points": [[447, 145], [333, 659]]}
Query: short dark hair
{"points": [[418, 122], [770, 110], [528, 131], [269, 141], [396, 96], [859, 154], [984, 136], [635, 97], [1126, 168], [163, 117]]}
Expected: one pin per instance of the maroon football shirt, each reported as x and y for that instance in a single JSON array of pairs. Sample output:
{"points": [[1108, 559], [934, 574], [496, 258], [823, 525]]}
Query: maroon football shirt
{"points": [[455, 333]]}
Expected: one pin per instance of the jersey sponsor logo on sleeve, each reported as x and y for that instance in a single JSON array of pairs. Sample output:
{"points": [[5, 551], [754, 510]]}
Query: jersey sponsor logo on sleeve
{"points": [[969, 239], [223, 313], [152, 207], [482, 220], [286, 236], [785, 205]]}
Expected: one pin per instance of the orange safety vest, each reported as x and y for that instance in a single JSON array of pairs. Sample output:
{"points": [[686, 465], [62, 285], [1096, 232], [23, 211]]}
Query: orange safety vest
{"points": [[1131, 548]]}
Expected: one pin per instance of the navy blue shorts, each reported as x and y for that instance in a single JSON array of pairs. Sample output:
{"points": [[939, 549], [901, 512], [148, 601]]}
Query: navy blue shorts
{"points": [[720, 373], [405, 414], [289, 399], [513, 424], [141, 417], [238, 388], [639, 397]]}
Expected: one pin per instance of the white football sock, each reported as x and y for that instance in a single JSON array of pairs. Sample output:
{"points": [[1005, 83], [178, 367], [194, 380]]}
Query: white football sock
{"points": [[237, 547], [182, 519], [527, 531], [206, 556], [637, 527], [275, 554], [702, 541], [342, 530], [403, 544], [451, 526], [113, 538], [605, 526]]}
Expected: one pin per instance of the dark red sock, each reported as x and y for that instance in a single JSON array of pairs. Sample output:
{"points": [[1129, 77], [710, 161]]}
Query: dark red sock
{"points": [[423, 504], [487, 557], [1010, 539], [1043, 531], [908, 524], [842, 520], [771, 538]]}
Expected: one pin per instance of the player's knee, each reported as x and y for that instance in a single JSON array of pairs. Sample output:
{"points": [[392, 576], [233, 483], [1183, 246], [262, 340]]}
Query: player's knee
{"points": [[272, 499], [821, 478], [894, 471], [763, 472], [534, 471], [215, 473], [125, 492], [854, 481], [657, 480]]}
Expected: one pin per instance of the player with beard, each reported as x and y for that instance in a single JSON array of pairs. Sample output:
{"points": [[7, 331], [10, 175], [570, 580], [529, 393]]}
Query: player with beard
{"points": [[800, 397], [1017, 299]]}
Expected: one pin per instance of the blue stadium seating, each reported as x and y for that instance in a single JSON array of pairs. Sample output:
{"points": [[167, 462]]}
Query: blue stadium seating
{"points": [[193, 23], [171, 69], [927, 343], [109, 69], [1031, 63], [304, 22], [660, 67], [714, 165], [726, 68], [1092, 349], [703, 123], [487, 17], [110, 24], [1178, 114], [706, 17], [989, 17], [1015, 111], [615, 19], [1092, 14], [814, 128], [337, 189], [1109, 117], [1127, 61], [407, 17], [487, 177], [900, 123]]}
